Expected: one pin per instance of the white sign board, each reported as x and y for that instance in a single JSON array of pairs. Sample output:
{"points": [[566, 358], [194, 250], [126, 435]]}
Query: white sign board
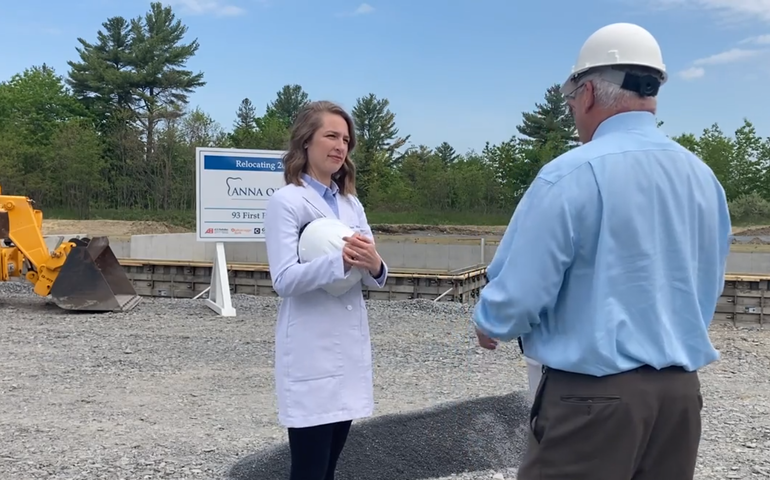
{"points": [[232, 190]]}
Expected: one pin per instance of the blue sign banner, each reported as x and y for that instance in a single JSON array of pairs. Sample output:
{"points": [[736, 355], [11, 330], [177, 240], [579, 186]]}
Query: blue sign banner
{"points": [[242, 164]]}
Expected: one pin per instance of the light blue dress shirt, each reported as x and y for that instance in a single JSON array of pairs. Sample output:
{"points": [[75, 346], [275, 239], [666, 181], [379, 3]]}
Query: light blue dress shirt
{"points": [[614, 258], [330, 197]]}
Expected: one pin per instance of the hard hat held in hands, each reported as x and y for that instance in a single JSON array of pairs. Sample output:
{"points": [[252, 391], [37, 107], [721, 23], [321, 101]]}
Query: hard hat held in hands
{"points": [[322, 237], [620, 44]]}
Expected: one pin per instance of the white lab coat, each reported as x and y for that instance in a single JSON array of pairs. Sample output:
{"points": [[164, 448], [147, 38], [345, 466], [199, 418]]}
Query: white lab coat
{"points": [[323, 358]]}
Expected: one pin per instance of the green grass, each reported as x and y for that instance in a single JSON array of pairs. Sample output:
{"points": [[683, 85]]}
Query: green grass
{"points": [[186, 219]]}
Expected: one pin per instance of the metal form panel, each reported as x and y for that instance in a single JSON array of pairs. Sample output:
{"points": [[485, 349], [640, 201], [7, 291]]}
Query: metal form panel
{"points": [[744, 301]]}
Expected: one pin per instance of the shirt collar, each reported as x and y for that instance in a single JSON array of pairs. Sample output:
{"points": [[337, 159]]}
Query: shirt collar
{"points": [[320, 187], [626, 121]]}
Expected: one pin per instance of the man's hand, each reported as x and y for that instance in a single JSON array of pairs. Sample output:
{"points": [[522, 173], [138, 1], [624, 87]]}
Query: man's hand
{"points": [[485, 341]]}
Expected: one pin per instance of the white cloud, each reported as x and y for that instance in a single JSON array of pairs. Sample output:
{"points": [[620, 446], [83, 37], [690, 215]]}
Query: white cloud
{"points": [[207, 7], [758, 40], [363, 9], [734, 55], [728, 9], [692, 73], [730, 56], [727, 12]]}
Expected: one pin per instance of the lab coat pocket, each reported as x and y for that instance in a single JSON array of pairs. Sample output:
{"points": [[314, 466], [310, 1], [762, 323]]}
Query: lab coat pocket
{"points": [[356, 227], [313, 353], [315, 396]]}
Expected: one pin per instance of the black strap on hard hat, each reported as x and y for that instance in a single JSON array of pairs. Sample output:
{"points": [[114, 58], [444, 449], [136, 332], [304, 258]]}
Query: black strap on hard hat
{"points": [[645, 85]]}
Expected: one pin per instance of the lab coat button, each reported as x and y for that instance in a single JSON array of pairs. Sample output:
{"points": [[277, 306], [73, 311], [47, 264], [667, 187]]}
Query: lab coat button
{"points": [[350, 307]]}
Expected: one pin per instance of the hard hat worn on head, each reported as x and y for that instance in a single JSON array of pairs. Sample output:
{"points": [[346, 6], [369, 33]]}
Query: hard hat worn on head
{"points": [[619, 44], [322, 237]]}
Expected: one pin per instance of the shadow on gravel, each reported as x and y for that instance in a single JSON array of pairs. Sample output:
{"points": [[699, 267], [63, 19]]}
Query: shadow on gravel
{"points": [[30, 303], [482, 434]]}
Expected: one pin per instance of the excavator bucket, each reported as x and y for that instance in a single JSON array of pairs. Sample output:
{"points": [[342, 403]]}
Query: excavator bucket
{"points": [[92, 279]]}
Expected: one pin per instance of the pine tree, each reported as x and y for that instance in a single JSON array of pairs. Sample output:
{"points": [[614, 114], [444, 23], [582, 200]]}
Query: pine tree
{"points": [[551, 122]]}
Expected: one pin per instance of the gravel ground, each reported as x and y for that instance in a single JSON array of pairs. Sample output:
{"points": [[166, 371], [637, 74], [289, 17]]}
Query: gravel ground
{"points": [[170, 391]]}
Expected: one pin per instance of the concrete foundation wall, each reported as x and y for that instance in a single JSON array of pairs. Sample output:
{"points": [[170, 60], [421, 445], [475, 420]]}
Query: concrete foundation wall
{"points": [[398, 254], [182, 246], [121, 248]]}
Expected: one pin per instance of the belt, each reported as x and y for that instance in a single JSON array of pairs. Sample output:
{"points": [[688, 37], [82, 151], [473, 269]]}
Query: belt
{"points": [[644, 368]]}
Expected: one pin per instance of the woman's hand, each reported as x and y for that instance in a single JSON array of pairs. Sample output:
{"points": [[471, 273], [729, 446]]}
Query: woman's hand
{"points": [[360, 252]]}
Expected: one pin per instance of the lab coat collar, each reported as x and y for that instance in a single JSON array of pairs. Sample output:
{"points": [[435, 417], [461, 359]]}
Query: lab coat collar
{"points": [[320, 187], [314, 196]]}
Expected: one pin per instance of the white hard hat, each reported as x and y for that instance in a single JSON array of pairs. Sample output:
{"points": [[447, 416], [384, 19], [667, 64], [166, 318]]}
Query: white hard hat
{"points": [[322, 237], [618, 44]]}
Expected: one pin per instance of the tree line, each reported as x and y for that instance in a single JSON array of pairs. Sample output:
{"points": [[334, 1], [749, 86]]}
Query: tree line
{"points": [[116, 136]]}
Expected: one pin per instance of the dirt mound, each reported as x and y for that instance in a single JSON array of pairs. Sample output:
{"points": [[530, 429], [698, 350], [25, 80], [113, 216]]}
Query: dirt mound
{"points": [[414, 229], [757, 241], [110, 228], [752, 231]]}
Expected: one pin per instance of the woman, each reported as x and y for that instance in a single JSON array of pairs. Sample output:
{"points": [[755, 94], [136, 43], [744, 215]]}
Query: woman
{"points": [[323, 359]]}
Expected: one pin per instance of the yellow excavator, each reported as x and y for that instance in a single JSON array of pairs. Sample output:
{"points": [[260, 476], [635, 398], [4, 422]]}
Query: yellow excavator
{"points": [[79, 274]]}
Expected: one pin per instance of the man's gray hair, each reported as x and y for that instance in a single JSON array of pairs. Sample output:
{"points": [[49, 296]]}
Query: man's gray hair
{"points": [[607, 89]]}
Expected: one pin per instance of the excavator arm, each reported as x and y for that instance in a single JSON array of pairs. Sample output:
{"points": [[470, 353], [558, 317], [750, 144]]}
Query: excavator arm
{"points": [[80, 274]]}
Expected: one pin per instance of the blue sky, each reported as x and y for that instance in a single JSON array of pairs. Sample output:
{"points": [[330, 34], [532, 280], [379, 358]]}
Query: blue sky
{"points": [[460, 71]]}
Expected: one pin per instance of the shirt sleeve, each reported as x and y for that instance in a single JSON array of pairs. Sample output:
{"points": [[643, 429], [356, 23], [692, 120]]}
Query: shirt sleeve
{"points": [[529, 265]]}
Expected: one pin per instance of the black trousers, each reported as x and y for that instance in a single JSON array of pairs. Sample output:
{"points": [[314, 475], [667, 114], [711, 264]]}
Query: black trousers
{"points": [[315, 450]]}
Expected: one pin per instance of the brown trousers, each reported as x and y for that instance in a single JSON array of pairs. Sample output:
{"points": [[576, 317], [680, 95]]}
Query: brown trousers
{"points": [[639, 425]]}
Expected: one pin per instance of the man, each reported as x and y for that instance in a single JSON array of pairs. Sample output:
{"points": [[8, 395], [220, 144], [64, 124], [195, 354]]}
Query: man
{"points": [[610, 272]]}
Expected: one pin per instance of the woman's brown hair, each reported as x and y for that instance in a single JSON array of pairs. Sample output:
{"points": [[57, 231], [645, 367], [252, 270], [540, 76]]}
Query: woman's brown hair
{"points": [[308, 121]]}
